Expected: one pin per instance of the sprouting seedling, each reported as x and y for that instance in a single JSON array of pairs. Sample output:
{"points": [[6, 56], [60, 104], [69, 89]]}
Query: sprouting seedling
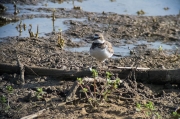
{"points": [[148, 109], [160, 48], [116, 83], [84, 89], [77, 8], [9, 89], [150, 105], [166, 8], [94, 73], [108, 75], [105, 94], [110, 85], [60, 39], [175, 115], [3, 99], [53, 15], [24, 26], [176, 50], [138, 107], [141, 12], [60, 31], [16, 11], [39, 93], [158, 115], [37, 32], [100, 93], [80, 80], [31, 34], [15, 8], [40, 90]]}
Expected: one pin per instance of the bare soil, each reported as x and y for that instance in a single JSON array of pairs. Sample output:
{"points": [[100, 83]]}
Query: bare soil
{"points": [[45, 52]]}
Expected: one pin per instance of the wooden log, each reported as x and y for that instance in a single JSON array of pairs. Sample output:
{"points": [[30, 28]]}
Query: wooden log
{"points": [[151, 76], [41, 71]]}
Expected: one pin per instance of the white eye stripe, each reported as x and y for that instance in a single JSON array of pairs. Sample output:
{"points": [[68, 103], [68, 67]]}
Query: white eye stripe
{"points": [[99, 41]]}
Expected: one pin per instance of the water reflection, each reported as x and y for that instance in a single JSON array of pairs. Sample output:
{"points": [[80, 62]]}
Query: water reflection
{"points": [[123, 50], [130, 7], [46, 25]]}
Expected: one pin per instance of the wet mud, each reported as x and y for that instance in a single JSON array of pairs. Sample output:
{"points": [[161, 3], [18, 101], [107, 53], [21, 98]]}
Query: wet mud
{"points": [[44, 51]]}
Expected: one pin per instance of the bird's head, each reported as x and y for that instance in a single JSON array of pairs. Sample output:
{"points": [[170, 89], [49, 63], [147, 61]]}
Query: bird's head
{"points": [[98, 38]]}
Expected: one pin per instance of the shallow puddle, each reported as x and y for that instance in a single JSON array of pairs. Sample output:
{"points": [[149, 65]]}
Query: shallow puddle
{"points": [[45, 26], [130, 7], [123, 49]]}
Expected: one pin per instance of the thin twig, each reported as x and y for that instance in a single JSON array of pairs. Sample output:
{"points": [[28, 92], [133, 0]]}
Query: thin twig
{"points": [[32, 116], [22, 70]]}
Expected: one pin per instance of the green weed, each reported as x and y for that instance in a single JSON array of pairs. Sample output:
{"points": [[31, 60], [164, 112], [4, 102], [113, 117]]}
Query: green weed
{"points": [[4, 101], [100, 92], [175, 115], [148, 110], [39, 93]]}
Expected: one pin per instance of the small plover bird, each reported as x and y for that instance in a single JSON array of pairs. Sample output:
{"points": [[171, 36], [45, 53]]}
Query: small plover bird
{"points": [[100, 48]]}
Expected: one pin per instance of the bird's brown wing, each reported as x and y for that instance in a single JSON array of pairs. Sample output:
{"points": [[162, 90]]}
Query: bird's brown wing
{"points": [[109, 47]]}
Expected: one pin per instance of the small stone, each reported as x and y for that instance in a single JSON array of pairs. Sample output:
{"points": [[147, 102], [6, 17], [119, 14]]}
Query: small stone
{"points": [[63, 67], [144, 102], [83, 111]]}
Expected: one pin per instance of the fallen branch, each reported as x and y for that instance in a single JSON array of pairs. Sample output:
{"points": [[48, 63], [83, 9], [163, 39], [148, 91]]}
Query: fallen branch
{"points": [[98, 79], [32, 116], [152, 76], [138, 68], [22, 70], [71, 95]]}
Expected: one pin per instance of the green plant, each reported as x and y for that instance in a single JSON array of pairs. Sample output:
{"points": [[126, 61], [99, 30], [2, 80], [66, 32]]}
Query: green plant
{"points": [[140, 12], [4, 105], [108, 74], [61, 42], [175, 115], [5, 100], [94, 73], [9, 89], [39, 93], [148, 110], [100, 92], [160, 49]]}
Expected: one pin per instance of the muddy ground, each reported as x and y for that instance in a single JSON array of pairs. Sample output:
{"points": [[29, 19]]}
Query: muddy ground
{"points": [[45, 52]]}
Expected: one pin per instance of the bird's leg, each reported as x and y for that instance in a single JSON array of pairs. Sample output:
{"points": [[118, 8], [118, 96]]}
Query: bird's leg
{"points": [[103, 64], [99, 66], [97, 62], [91, 63]]}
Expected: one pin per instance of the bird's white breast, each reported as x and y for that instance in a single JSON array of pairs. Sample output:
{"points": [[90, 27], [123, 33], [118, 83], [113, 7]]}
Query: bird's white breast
{"points": [[100, 54]]}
